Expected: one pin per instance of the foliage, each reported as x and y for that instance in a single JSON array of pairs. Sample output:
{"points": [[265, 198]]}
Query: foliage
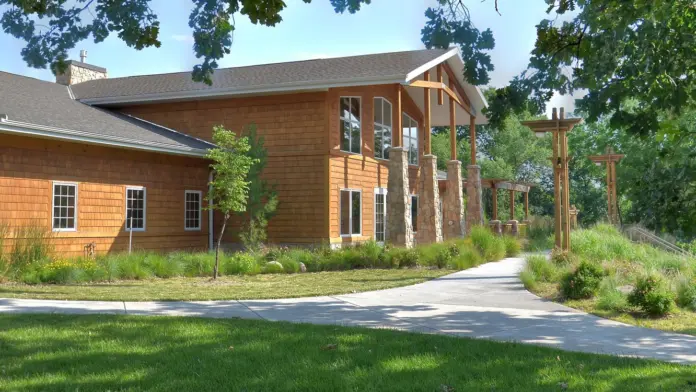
{"points": [[230, 186], [652, 294], [541, 269], [512, 246], [686, 294], [263, 199], [490, 246], [31, 246], [610, 298], [583, 282], [540, 233]]}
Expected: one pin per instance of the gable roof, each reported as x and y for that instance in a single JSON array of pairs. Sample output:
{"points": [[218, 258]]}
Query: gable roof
{"points": [[39, 108], [382, 68]]}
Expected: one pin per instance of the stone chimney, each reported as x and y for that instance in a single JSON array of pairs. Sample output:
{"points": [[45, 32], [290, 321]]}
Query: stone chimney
{"points": [[79, 71]]}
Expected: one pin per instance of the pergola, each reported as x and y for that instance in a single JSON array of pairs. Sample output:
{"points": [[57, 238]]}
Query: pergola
{"points": [[611, 159]]}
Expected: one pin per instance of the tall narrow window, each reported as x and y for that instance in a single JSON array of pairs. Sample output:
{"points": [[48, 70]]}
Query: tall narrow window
{"points": [[410, 129], [380, 214], [351, 212], [414, 212], [350, 124], [64, 206], [192, 210], [383, 127], [135, 208]]}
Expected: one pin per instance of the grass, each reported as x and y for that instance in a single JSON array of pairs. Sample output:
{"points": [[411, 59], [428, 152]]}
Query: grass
{"points": [[96, 353], [229, 287]]}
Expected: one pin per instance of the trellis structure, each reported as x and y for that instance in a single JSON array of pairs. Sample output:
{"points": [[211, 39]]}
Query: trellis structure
{"points": [[611, 159]]}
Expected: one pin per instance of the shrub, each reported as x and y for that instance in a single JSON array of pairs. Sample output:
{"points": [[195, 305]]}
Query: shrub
{"points": [[529, 279], [290, 265], [132, 266], [491, 247], [311, 259], [31, 245], [371, 254], [68, 271], [652, 295], [436, 255], [583, 282], [610, 298], [539, 233], [241, 264], [403, 258], [563, 258], [686, 294], [163, 266], [4, 259], [274, 253], [512, 246], [467, 258], [197, 264], [542, 269]]}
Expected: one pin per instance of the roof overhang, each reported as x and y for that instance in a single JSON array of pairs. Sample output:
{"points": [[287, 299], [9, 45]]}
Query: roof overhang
{"points": [[47, 132]]}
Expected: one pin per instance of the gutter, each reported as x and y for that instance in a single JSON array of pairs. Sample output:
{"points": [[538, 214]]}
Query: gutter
{"points": [[17, 127]]}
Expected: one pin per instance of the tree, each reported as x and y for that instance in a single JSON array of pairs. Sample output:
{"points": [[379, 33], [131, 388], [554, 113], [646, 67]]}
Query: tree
{"points": [[263, 199], [229, 187]]}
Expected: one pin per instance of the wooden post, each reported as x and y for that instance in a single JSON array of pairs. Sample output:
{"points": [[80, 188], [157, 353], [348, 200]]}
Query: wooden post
{"points": [[614, 199], [472, 136], [397, 140], [440, 93], [495, 202], [556, 184], [426, 115], [526, 206], [566, 190], [512, 204], [453, 128]]}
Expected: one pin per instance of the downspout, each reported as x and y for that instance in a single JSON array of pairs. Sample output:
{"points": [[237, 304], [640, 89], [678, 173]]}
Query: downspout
{"points": [[210, 212]]}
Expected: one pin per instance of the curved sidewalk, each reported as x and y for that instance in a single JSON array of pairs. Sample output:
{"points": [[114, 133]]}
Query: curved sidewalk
{"points": [[485, 302]]}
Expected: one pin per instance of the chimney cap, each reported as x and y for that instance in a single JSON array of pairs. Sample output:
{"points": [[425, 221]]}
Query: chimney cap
{"points": [[83, 55]]}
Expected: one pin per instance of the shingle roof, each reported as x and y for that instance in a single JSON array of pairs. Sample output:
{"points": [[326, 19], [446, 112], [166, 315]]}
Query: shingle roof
{"points": [[333, 71], [41, 103]]}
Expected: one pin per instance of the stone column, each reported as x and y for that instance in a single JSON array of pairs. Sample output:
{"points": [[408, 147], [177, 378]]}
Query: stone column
{"points": [[399, 228], [453, 208], [497, 227], [474, 206], [514, 229], [429, 219]]}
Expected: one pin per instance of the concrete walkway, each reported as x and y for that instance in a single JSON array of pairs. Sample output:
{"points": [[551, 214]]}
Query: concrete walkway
{"points": [[485, 302]]}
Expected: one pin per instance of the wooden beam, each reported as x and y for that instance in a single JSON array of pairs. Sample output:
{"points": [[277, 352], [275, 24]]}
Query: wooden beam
{"points": [[526, 206], [441, 87], [426, 115], [458, 87], [440, 95], [396, 119], [453, 130], [495, 203], [472, 137]]}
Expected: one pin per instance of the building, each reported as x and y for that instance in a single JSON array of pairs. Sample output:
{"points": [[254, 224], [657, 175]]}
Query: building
{"points": [[89, 152]]}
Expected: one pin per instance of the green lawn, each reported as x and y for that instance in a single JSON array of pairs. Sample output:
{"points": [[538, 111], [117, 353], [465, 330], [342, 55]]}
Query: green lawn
{"points": [[229, 287], [97, 353]]}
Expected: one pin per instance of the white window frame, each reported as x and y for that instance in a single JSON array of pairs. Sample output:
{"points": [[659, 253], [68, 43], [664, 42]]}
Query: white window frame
{"points": [[380, 191], [53, 205], [391, 127], [340, 117], [411, 207], [350, 212], [200, 210], [410, 137], [135, 188]]}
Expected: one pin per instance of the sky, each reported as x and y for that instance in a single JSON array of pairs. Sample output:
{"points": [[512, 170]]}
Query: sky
{"points": [[308, 31]]}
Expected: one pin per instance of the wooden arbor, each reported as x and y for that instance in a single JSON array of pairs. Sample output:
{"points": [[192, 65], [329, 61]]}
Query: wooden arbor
{"points": [[610, 158], [559, 126], [513, 188]]}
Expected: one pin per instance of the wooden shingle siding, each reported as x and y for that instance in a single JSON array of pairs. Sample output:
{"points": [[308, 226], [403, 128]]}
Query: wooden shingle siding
{"points": [[29, 167], [296, 138]]}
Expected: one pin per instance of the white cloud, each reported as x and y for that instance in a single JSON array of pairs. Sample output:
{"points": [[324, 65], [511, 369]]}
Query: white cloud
{"points": [[182, 38]]}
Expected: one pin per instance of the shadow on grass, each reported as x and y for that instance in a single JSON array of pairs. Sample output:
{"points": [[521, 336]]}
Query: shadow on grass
{"points": [[51, 352]]}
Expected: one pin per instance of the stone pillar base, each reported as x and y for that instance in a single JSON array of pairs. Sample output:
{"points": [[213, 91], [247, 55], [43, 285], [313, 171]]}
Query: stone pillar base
{"points": [[453, 207], [497, 227], [474, 206], [429, 220], [514, 228], [399, 229]]}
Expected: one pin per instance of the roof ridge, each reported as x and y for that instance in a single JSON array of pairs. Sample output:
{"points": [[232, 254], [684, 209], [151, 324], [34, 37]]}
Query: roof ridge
{"points": [[267, 64]]}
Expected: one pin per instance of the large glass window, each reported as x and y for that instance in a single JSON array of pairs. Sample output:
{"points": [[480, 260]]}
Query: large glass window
{"points": [[351, 212], [383, 127], [410, 129], [350, 124], [64, 206], [414, 212], [380, 214], [135, 208], [192, 210]]}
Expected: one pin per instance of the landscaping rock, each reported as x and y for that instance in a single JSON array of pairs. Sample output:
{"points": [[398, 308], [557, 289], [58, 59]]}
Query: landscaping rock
{"points": [[273, 267], [303, 268], [626, 289]]}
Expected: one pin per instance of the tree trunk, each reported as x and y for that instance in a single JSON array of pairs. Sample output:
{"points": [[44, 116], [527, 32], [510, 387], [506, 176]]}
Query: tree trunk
{"points": [[217, 248]]}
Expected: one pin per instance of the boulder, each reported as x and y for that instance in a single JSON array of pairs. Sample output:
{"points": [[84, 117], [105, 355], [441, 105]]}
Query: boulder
{"points": [[273, 267], [303, 268]]}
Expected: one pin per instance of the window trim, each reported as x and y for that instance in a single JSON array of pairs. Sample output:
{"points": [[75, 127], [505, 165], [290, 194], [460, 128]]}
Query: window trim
{"points": [[414, 196], [409, 136], [200, 210], [53, 205], [125, 217], [391, 127], [350, 212], [340, 117], [379, 191]]}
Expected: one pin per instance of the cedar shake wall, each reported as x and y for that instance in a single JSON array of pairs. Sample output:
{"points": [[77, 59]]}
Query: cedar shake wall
{"points": [[30, 165], [294, 127]]}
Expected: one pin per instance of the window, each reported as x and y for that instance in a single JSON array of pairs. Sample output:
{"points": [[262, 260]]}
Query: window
{"points": [[380, 214], [192, 210], [64, 206], [135, 208], [414, 212], [383, 127], [410, 129], [350, 124], [351, 212]]}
